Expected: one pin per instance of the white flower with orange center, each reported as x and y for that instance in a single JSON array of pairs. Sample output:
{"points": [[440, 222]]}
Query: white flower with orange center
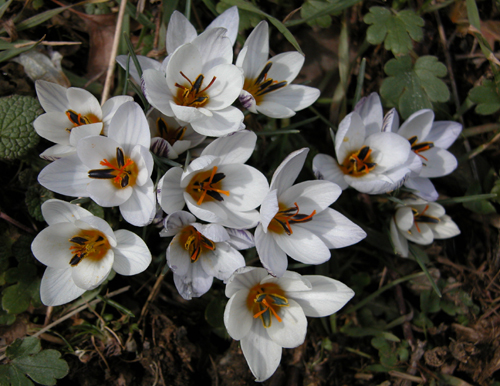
{"points": [[266, 313], [267, 88], [297, 221], [71, 114], [421, 222], [217, 187], [171, 137], [370, 158], [429, 141], [198, 253], [180, 31], [198, 85], [112, 171], [80, 250]]}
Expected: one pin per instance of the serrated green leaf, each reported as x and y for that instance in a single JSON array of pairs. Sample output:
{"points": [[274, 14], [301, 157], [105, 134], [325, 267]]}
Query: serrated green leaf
{"points": [[487, 98], [23, 347], [12, 376], [17, 297], [6, 319], [17, 135], [36, 195], [414, 87], [26, 177], [312, 7], [21, 249], [22, 273], [44, 367], [397, 30]]}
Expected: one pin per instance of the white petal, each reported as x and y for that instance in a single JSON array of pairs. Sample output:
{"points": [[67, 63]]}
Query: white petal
{"points": [[262, 354], [334, 229], [240, 238], [112, 104], [140, 208], [311, 196], [189, 114], [83, 102], [178, 258], [286, 66], [290, 281], [53, 126], [132, 255], [106, 194], [129, 127], [194, 284], [145, 63], [233, 148], [288, 171], [225, 121], [58, 287], [418, 124], [326, 297], [291, 332], [422, 235], [404, 218], [145, 163], [57, 151], [66, 176], [325, 167], [80, 132], [256, 52], [156, 91], [222, 262], [440, 162], [444, 133], [391, 121], [445, 229], [303, 246], [294, 96], [89, 274], [272, 257], [179, 31], [248, 101], [215, 48], [56, 211], [399, 242], [93, 150], [237, 317], [373, 183], [274, 110], [226, 87], [229, 19], [93, 222], [389, 150], [350, 136], [244, 278], [171, 197], [371, 112], [423, 187], [51, 245], [188, 60], [177, 221], [51, 96], [268, 209]]}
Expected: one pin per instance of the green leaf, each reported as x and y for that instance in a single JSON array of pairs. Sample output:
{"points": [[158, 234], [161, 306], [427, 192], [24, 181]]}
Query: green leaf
{"points": [[247, 19], [414, 87], [486, 97], [418, 255], [396, 29], [44, 367], [17, 297], [312, 7], [17, 136], [36, 195], [6, 319], [214, 315], [13, 52], [478, 206], [23, 347], [12, 376], [21, 249]]}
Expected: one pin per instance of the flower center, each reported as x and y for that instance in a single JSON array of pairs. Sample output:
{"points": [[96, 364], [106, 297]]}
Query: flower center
{"points": [[422, 217], [263, 85], [192, 96], [89, 244], [168, 132], [207, 186], [264, 300], [358, 163], [284, 219], [194, 242], [122, 171], [420, 147], [79, 119]]}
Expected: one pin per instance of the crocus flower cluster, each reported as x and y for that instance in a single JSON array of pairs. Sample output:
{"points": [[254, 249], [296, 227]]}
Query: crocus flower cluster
{"points": [[211, 204]]}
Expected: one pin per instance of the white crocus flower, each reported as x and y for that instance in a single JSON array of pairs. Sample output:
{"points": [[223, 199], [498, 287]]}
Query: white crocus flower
{"points": [[217, 187], [198, 253], [297, 221], [421, 222], [80, 250], [70, 114], [199, 85], [180, 31], [112, 171], [268, 89], [370, 158], [266, 313], [171, 137], [429, 141]]}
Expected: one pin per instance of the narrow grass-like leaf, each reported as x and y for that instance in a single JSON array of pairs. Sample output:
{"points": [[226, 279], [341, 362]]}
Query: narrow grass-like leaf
{"points": [[278, 132], [335, 7], [141, 18], [211, 7], [417, 254], [320, 116], [133, 55], [9, 54], [117, 305], [473, 14], [4, 7], [359, 82], [458, 200]]}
